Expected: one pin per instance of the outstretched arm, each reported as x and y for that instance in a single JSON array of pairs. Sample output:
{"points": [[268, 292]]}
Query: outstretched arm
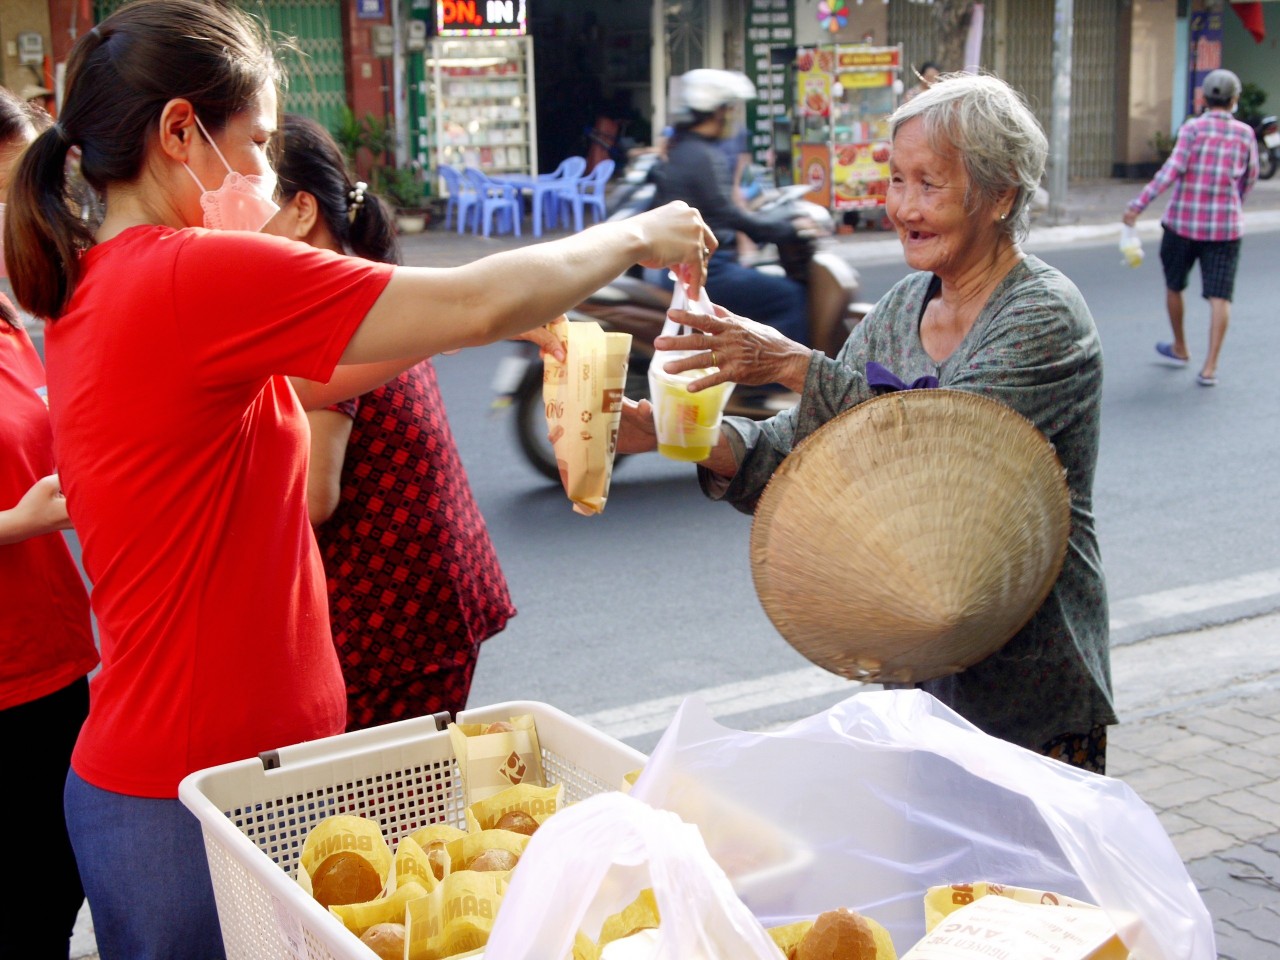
{"points": [[509, 293]]}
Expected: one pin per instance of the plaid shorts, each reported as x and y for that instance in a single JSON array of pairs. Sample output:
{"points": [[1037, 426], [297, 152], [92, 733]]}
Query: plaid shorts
{"points": [[1218, 261]]}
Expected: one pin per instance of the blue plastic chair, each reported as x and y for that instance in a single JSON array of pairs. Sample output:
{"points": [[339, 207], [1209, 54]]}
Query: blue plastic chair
{"points": [[587, 191], [494, 198], [462, 197], [546, 191]]}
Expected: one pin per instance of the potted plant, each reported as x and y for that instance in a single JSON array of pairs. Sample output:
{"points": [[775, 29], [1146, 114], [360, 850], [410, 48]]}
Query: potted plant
{"points": [[403, 187]]}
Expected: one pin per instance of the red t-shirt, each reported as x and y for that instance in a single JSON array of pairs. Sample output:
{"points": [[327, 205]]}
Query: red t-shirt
{"points": [[46, 638], [183, 454]]}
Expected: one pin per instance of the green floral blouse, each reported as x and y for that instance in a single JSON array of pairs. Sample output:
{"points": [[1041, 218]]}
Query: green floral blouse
{"points": [[1035, 348]]}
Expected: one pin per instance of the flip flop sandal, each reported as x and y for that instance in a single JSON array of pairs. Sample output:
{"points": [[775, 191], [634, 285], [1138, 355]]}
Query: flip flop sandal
{"points": [[1166, 350], [1206, 381]]}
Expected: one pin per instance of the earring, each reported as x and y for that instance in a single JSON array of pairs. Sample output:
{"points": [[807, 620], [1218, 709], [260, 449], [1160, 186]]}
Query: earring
{"points": [[1004, 217]]}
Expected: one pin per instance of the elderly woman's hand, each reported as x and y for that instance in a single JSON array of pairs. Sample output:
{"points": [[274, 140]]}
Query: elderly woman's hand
{"points": [[746, 352], [636, 432]]}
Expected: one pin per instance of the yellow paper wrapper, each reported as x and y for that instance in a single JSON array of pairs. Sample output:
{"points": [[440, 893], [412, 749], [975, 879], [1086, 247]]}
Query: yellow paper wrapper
{"points": [[1002, 928], [640, 914], [413, 864], [455, 917], [423, 836], [466, 848], [789, 936], [538, 802], [359, 917], [491, 762], [344, 833], [583, 398]]}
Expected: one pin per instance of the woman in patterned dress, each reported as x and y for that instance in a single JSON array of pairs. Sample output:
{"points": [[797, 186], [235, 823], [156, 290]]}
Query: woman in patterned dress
{"points": [[978, 315], [414, 582]]}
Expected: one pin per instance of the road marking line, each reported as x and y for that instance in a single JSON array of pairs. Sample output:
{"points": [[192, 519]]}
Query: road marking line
{"points": [[744, 696], [1194, 599]]}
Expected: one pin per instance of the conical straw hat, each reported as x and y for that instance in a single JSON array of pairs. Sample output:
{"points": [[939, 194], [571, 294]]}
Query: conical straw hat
{"points": [[911, 536]]}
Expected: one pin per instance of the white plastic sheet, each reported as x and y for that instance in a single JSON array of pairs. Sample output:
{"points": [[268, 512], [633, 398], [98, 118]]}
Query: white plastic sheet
{"points": [[868, 804]]}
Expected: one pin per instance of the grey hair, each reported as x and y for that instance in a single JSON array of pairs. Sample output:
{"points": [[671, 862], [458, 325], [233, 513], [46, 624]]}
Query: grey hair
{"points": [[995, 133]]}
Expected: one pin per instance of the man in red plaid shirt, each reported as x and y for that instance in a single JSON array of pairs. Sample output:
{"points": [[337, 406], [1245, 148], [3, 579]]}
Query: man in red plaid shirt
{"points": [[1213, 167]]}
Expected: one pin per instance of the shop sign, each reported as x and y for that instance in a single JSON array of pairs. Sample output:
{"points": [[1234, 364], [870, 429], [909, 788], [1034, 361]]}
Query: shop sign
{"points": [[457, 18], [867, 58], [371, 9], [770, 27]]}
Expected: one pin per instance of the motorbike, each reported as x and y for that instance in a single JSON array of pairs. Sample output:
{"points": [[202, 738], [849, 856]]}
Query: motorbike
{"points": [[630, 305], [1268, 134]]}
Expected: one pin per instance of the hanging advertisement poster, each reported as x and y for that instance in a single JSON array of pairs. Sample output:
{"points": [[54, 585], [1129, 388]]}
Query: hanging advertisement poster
{"points": [[1205, 33], [814, 162]]}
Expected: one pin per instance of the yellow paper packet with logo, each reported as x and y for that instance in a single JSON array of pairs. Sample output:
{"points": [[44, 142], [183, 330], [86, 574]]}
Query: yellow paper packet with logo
{"points": [[344, 833], [943, 900], [490, 762], [1021, 929], [537, 802], [456, 916], [359, 917], [583, 398]]}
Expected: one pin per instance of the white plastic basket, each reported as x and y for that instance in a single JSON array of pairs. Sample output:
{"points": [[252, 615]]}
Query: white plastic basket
{"points": [[255, 814]]}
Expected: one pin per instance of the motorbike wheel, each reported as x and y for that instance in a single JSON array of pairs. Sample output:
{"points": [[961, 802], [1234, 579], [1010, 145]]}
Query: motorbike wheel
{"points": [[1266, 164], [531, 418]]}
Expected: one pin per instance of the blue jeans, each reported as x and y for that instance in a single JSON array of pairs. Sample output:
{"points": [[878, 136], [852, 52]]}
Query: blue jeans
{"points": [[777, 301], [143, 866]]}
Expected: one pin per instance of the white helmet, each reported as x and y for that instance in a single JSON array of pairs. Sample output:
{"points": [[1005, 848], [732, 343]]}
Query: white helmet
{"points": [[706, 90]]}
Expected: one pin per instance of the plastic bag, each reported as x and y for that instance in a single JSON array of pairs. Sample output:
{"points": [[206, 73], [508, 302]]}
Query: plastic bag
{"points": [[1131, 245], [886, 794], [594, 858], [687, 424]]}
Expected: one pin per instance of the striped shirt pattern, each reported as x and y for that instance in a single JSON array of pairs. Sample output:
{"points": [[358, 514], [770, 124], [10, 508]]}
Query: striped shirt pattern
{"points": [[1213, 167]]}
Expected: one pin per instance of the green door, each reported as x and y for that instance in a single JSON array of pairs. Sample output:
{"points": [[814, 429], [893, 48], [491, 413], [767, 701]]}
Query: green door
{"points": [[316, 69]]}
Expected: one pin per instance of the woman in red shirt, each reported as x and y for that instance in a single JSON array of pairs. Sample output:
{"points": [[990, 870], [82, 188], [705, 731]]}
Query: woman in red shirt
{"points": [[46, 637], [414, 582], [180, 443]]}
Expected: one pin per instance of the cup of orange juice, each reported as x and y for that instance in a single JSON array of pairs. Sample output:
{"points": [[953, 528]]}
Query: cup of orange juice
{"points": [[687, 424]]}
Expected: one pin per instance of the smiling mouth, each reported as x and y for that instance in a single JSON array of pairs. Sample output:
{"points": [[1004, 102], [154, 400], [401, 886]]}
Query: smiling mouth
{"points": [[917, 235]]}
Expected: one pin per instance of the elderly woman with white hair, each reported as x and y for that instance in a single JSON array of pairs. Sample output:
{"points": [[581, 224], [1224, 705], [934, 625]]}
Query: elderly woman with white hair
{"points": [[978, 314]]}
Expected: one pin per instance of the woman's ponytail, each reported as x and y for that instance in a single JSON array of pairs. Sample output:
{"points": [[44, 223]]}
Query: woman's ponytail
{"points": [[43, 235], [372, 231], [357, 217]]}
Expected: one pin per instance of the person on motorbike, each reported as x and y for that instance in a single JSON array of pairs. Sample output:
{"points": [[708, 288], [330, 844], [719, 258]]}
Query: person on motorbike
{"points": [[696, 172]]}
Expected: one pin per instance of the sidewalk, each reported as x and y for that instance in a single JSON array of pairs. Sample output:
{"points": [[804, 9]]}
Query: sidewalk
{"points": [[1199, 741]]}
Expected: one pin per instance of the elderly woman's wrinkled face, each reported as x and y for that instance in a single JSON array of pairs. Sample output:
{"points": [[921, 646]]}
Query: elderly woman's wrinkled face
{"points": [[926, 203]]}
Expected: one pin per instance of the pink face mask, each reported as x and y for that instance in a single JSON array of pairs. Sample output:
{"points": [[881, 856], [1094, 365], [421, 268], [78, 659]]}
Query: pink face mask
{"points": [[243, 202]]}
